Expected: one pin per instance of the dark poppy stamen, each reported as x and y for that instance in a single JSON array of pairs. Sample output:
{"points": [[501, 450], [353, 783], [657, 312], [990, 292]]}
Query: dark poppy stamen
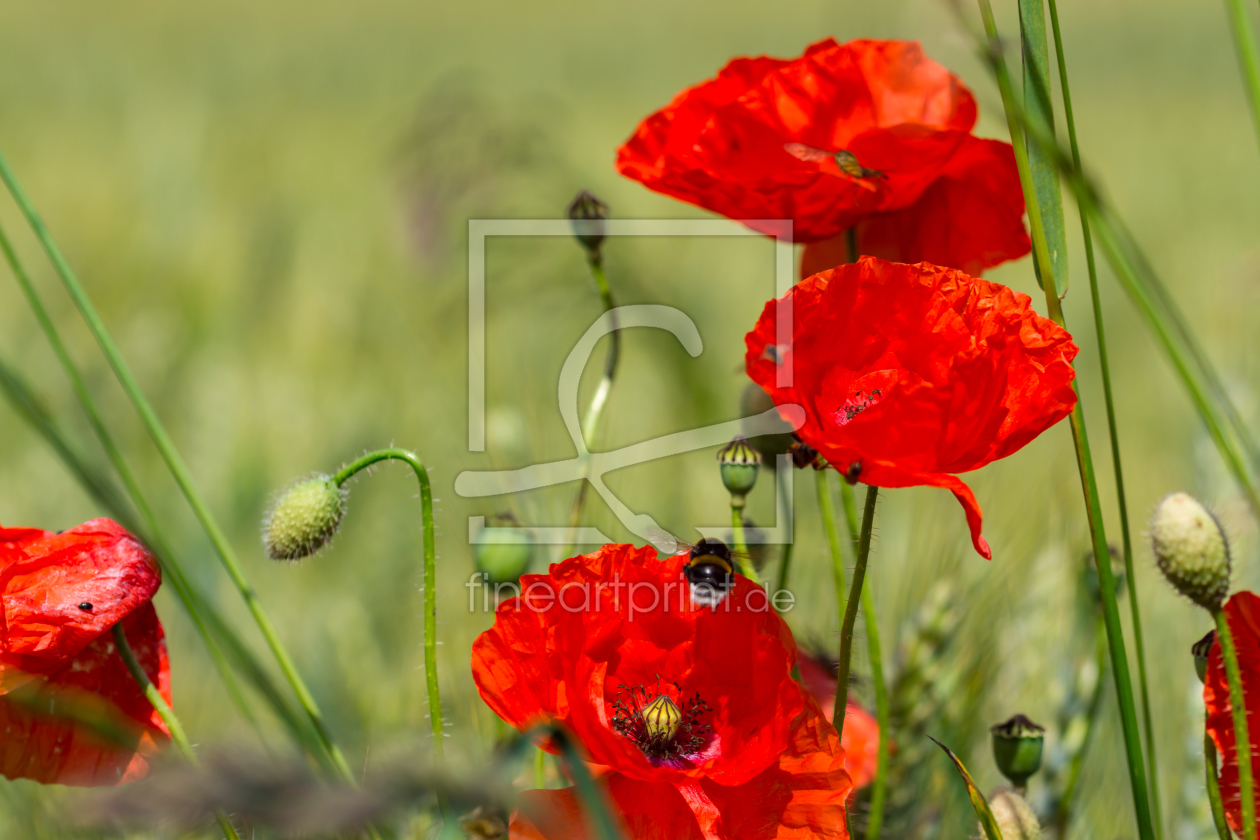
{"points": [[856, 404], [663, 725]]}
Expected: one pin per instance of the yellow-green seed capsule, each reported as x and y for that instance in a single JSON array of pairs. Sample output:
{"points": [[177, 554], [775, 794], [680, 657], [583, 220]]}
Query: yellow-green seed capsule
{"points": [[304, 519], [739, 464], [661, 718], [1017, 745], [1014, 816], [1191, 550], [504, 553]]}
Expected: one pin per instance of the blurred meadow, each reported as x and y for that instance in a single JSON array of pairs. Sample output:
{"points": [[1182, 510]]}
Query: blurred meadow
{"points": [[269, 204]]}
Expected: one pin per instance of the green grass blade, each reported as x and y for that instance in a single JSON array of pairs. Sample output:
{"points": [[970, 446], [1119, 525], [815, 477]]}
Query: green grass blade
{"points": [[983, 812], [1041, 166], [1248, 56], [1113, 434], [178, 469], [1016, 121]]}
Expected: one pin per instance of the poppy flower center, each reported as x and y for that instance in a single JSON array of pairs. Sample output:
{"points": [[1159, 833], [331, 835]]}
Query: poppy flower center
{"points": [[664, 728]]}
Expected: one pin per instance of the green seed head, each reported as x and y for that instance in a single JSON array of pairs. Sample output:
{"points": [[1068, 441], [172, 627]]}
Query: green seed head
{"points": [[504, 553], [1017, 748], [587, 214], [739, 464], [1191, 550], [1014, 816], [304, 519], [1200, 650]]}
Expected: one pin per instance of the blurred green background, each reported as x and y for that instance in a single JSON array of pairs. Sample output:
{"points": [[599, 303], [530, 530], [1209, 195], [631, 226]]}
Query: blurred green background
{"points": [[269, 204]]}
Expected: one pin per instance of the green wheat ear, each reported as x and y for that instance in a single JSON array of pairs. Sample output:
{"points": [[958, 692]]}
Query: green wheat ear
{"points": [[304, 519]]}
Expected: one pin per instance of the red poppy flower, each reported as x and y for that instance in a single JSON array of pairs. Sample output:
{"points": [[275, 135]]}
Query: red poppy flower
{"points": [[910, 373], [870, 134], [62, 594], [861, 731], [1243, 613], [736, 748]]}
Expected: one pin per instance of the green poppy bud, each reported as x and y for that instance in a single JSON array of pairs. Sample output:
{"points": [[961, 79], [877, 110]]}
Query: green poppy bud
{"points": [[753, 401], [1200, 650], [739, 463], [1191, 550], [304, 519], [504, 554], [1014, 816], [1017, 748], [587, 213]]}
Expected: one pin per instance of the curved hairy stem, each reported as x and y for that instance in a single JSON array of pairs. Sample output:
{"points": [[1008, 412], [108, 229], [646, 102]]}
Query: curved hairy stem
{"points": [[1242, 738], [430, 574], [851, 607]]}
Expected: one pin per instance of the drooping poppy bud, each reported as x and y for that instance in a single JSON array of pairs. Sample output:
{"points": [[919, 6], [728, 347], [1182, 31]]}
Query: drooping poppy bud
{"points": [[1017, 747], [1191, 550], [1014, 816], [753, 401], [1200, 650], [504, 554], [304, 519], [739, 463], [587, 213]]}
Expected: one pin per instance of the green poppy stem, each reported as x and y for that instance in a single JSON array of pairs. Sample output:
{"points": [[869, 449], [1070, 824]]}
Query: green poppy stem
{"points": [[1085, 464], [1214, 789], [785, 559], [590, 424], [1113, 434], [827, 510], [430, 574], [159, 704], [883, 711], [1242, 738], [851, 607], [178, 469], [746, 568]]}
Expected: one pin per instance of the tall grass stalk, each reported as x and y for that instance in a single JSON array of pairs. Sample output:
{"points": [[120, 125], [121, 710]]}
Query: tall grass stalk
{"points": [[827, 511], [1102, 557], [1248, 56], [1113, 433], [178, 469]]}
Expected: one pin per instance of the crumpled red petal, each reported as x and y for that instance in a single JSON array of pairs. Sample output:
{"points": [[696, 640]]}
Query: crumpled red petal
{"points": [[913, 373], [1243, 613], [801, 796], [861, 731], [61, 594], [758, 143]]}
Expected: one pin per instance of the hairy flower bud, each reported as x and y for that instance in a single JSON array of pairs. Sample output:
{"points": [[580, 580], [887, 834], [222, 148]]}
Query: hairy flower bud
{"points": [[1200, 650], [1191, 550], [1014, 816], [503, 554], [739, 463], [587, 213], [1017, 747], [304, 519]]}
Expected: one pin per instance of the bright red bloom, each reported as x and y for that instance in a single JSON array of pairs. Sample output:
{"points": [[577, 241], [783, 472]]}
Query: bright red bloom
{"points": [[861, 731], [593, 642], [62, 594], [910, 373], [760, 142], [1243, 613]]}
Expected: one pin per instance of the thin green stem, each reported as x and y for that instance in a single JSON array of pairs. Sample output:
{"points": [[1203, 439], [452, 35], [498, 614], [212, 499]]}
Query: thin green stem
{"points": [[1085, 464], [193, 603], [742, 558], [590, 423], [1214, 789], [159, 704], [1242, 738], [178, 469], [1113, 433], [827, 510], [430, 574], [879, 786], [785, 559], [1248, 56], [540, 768], [851, 607]]}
